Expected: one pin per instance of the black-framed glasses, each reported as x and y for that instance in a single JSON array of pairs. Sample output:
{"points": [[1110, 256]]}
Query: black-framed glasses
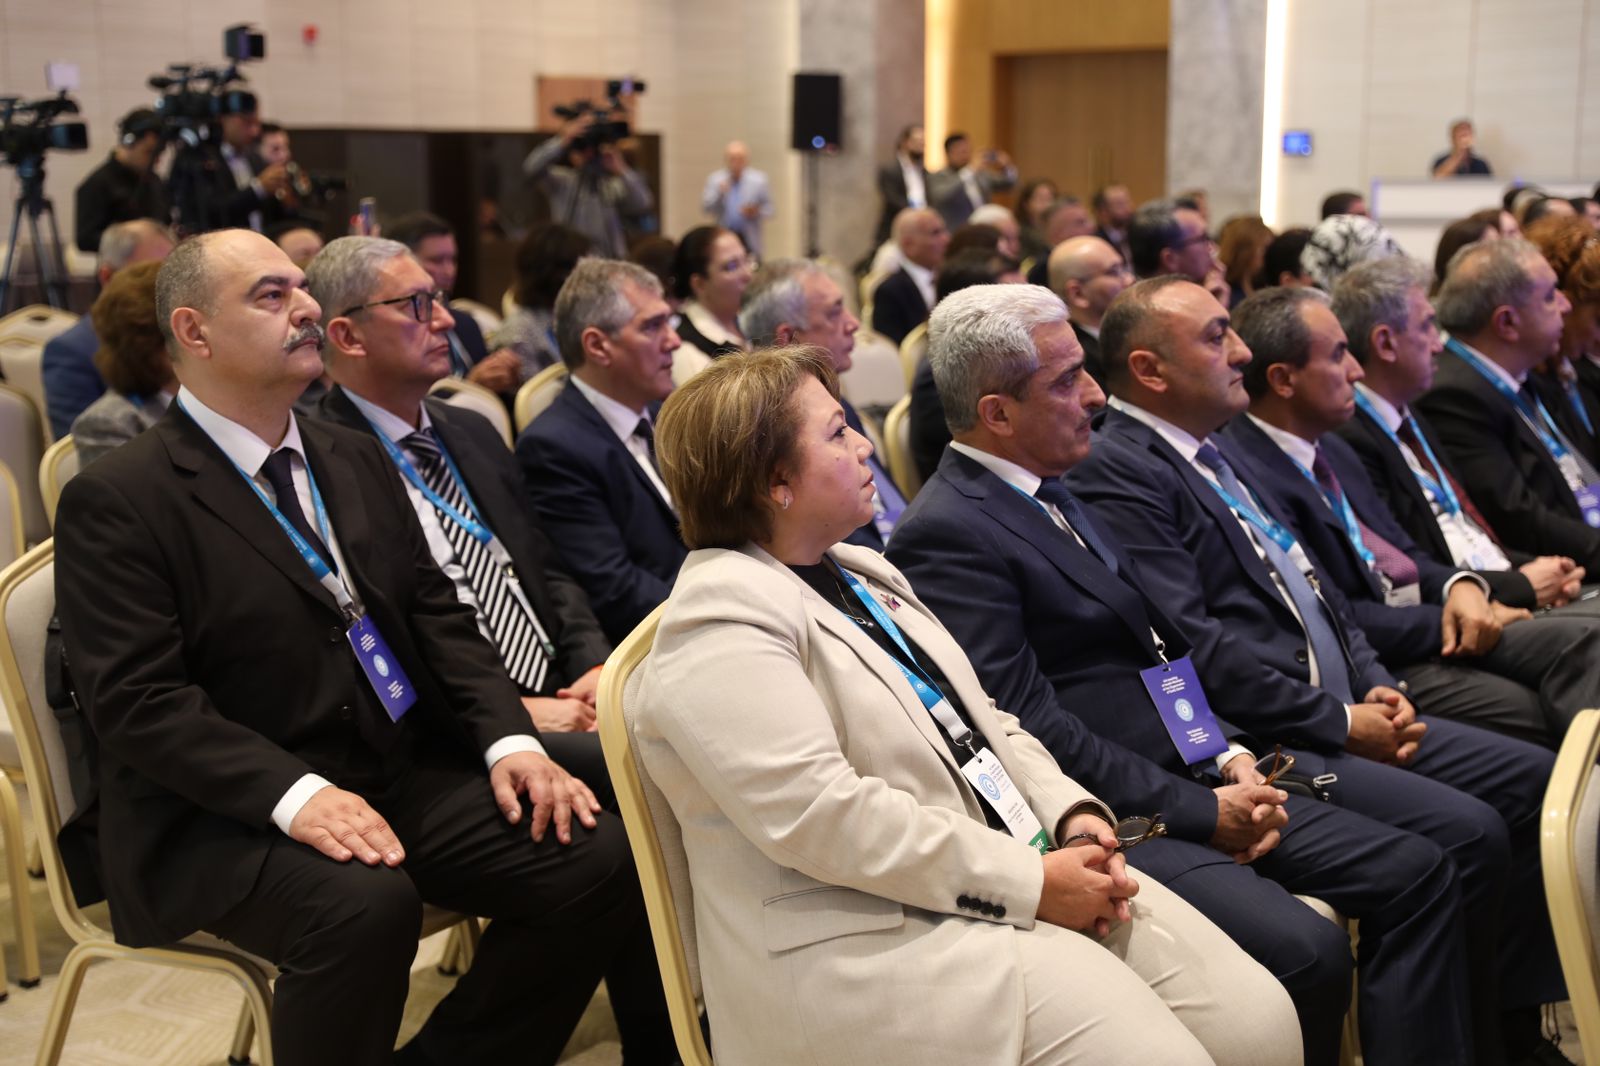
{"points": [[421, 305], [1178, 246], [1274, 766], [1131, 832]]}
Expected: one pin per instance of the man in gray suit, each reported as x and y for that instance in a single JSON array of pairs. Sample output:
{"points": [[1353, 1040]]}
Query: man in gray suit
{"points": [[961, 187], [739, 197]]}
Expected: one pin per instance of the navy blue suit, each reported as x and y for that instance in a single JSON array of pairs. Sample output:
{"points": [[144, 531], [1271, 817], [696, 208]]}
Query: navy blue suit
{"points": [[866, 535], [1475, 794], [1059, 640], [610, 525], [71, 380]]}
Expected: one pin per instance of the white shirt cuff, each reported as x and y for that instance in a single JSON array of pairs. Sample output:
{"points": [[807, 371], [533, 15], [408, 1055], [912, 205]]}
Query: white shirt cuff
{"points": [[1465, 575], [1233, 752], [506, 745], [299, 792], [1349, 719]]}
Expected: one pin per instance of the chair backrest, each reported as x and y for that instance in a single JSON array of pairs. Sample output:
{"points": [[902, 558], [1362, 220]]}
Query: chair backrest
{"points": [[897, 438], [23, 334], [459, 392], [59, 466], [1569, 851], [488, 321], [874, 378], [22, 442], [913, 350], [12, 544], [27, 600], [656, 839], [539, 392]]}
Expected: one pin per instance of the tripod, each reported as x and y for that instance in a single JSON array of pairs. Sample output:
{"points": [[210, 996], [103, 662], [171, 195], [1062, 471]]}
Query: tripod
{"points": [[49, 267]]}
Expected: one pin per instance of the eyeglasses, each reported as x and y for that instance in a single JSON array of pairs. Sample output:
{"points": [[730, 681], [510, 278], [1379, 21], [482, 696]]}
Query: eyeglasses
{"points": [[1274, 766], [1178, 246], [421, 305], [1131, 832]]}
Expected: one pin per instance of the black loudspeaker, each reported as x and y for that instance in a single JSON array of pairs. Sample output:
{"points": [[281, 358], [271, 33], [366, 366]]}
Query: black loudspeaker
{"points": [[818, 112]]}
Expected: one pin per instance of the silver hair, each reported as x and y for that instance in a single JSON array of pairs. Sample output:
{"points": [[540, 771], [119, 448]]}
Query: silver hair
{"points": [[989, 214], [345, 273], [594, 295], [1482, 277], [121, 240], [777, 297], [1374, 294], [980, 342]]}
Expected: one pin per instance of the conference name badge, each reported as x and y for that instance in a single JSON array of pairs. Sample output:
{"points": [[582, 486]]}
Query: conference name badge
{"points": [[389, 682], [991, 782], [1175, 689], [1589, 502]]}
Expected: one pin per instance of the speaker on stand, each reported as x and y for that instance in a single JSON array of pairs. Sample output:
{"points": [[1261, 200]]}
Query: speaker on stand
{"points": [[817, 128]]}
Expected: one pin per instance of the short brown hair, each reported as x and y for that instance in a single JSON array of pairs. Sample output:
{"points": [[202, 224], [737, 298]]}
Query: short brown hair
{"points": [[724, 432], [132, 356]]}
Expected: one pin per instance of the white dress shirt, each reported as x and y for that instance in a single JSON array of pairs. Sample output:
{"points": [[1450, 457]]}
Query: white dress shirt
{"points": [[1027, 483], [924, 279], [623, 422], [249, 453], [916, 188]]}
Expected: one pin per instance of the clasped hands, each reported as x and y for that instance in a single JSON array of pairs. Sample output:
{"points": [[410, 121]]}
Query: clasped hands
{"points": [[1086, 886]]}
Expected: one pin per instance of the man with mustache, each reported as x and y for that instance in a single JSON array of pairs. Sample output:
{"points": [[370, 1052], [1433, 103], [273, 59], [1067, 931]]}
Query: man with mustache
{"points": [[303, 735]]}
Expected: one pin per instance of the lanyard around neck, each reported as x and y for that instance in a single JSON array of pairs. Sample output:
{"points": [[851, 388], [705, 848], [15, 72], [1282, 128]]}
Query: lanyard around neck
{"points": [[1340, 505], [1439, 484], [1547, 433]]}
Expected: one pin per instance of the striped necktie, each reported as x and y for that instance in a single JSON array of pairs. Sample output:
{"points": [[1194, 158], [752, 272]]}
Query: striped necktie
{"points": [[522, 642]]}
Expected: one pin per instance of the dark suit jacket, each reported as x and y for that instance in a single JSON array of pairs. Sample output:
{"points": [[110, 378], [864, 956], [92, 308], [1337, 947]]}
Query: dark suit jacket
{"points": [[1091, 356], [1391, 479], [929, 431], [613, 530], [1512, 478], [866, 535], [470, 335], [892, 188], [215, 670], [1054, 636], [495, 485], [1200, 566], [1589, 387], [1554, 396], [1401, 635], [114, 193], [898, 306]]}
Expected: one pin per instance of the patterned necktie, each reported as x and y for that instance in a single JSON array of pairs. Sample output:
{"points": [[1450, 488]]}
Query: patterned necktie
{"points": [[518, 636], [647, 433], [276, 470], [1052, 491], [1408, 435], [1394, 564], [1320, 634]]}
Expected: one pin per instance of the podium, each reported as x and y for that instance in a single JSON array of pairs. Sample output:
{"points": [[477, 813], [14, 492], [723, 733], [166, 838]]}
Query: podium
{"points": [[1415, 211]]}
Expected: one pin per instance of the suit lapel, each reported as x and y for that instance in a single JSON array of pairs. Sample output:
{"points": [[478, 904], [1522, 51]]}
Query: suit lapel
{"points": [[219, 487], [341, 492], [585, 411]]}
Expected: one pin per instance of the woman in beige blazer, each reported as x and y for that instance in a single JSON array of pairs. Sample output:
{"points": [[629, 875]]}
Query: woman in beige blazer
{"points": [[855, 901]]}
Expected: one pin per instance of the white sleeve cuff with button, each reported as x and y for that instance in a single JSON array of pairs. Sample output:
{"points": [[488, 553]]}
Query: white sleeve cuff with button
{"points": [[299, 793]]}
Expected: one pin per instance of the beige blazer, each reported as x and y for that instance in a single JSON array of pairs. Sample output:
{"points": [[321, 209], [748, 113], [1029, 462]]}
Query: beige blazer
{"points": [[840, 862]]}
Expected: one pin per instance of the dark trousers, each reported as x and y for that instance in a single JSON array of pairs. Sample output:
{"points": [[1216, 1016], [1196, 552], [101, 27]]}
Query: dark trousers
{"points": [[1401, 888], [562, 916], [1478, 796], [1531, 685]]}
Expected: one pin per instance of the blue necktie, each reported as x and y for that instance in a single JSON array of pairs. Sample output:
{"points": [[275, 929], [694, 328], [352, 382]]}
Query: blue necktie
{"points": [[1335, 675], [1052, 491]]}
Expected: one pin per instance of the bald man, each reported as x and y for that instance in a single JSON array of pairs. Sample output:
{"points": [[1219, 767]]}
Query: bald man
{"points": [[1087, 273], [905, 298], [738, 196]]}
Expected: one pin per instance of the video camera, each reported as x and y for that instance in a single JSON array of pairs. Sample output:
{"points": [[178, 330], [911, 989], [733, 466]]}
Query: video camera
{"points": [[193, 98], [609, 126], [28, 128]]}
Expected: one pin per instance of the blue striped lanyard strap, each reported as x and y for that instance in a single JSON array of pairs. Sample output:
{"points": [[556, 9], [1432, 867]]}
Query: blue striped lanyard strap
{"points": [[1270, 528], [1547, 433], [1340, 503], [1439, 484]]}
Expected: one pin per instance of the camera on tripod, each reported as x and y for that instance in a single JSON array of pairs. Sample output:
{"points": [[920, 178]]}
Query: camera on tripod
{"points": [[194, 98], [28, 128], [610, 122]]}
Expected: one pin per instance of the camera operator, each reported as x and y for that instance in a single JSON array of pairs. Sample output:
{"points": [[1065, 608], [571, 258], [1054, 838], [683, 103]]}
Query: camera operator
{"points": [[589, 185], [240, 188], [125, 186]]}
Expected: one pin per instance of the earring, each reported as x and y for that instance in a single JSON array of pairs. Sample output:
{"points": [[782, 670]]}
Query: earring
{"points": [[787, 500]]}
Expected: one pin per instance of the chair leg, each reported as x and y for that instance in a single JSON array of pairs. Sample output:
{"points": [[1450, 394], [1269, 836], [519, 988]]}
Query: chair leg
{"points": [[471, 932], [243, 1035], [35, 861], [66, 999], [16, 867], [450, 960]]}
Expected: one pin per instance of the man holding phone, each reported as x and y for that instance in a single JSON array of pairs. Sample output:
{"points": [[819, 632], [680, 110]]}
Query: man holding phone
{"points": [[963, 186]]}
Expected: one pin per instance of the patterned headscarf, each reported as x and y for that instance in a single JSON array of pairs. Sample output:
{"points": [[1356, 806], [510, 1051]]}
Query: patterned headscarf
{"points": [[1342, 242]]}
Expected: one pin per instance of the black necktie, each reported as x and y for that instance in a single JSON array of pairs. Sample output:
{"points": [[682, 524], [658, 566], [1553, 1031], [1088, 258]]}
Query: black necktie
{"points": [[646, 432], [276, 471], [1051, 490]]}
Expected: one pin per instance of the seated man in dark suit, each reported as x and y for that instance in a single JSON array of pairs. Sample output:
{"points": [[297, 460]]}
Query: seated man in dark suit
{"points": [[796, 301], [71, 380], [1504, 311], [463, 484], [1432, 625], [1087, 273], [1393, 333], [1059, 630], [589, 460], [1212, 550], [281, 681], [902, 301]]}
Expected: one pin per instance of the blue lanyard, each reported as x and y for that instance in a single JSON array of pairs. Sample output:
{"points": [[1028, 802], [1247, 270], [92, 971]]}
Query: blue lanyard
{"points": [[1577, 405], [319, 569], [926, 690], [1548, 435], [1340, 503], [468, 522], [1279, 536], [1440, 488]]}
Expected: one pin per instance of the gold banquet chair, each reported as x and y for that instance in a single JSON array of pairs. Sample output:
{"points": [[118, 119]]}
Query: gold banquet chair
{"points": [[59, 466], [897, 440], [913, 350], [657, 844], [27, 601], [459, 392], [1569, 851], [537, 393]]}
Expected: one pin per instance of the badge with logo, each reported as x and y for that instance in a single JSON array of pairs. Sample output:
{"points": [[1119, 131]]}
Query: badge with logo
{"points": [[1589, 503], [1175, 690], [389, 682]]}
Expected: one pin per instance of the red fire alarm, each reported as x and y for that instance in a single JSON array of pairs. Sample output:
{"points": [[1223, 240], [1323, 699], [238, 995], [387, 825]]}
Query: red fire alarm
{"points": [[308, 33]]}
